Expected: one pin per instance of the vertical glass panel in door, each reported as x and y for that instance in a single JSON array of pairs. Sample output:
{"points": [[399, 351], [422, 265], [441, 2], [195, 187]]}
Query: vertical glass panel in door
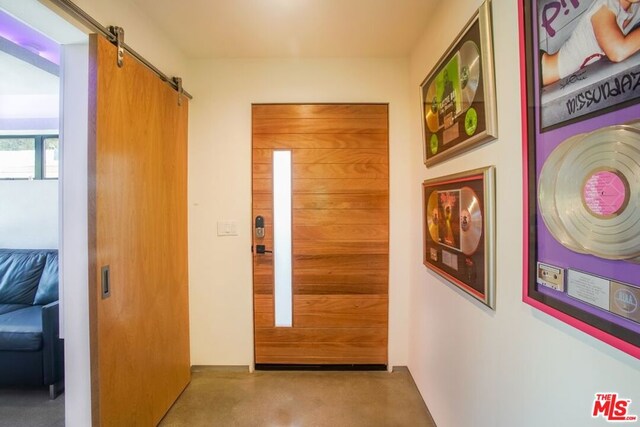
{"points": [[282, 238]]}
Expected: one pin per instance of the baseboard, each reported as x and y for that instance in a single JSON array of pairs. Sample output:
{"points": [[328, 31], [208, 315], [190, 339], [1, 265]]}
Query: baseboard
{"points": [[219, 368], [311, 367]]}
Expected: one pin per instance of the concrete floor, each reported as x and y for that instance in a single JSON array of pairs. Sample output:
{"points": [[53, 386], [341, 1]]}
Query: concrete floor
{"points": [[223, 397]]}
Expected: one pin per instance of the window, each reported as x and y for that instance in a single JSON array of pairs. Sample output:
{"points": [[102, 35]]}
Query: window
{"points": [[29, 157], [50, 158]]}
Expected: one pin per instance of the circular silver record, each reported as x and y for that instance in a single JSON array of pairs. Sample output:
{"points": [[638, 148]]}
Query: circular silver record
{"points": [[431, 106], [470, 221], [433, 215], [469, 73], [605, 229], [547, 194]]}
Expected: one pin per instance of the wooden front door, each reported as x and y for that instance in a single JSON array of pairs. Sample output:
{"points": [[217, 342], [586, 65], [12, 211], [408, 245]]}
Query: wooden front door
{"points": [[138, 238], [340, 233]]}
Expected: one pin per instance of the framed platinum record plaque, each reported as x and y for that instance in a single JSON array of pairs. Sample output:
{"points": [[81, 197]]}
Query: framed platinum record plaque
{"points": [[458, 95], [581, 133], [459, 231]]}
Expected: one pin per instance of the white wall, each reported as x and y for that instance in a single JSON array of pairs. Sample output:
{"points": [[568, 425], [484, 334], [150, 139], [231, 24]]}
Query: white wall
{"points": [[515, 366], [74, 259], [220, 185], [29, 214]]}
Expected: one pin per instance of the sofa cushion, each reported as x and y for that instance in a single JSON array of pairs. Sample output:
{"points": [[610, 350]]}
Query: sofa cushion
{"points": [[20, 272], [21, 330], [48, 286], [5, 308]]}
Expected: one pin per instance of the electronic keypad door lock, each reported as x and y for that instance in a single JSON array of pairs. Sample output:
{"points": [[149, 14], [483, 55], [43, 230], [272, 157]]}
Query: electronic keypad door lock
{"points": [[260, 227]]}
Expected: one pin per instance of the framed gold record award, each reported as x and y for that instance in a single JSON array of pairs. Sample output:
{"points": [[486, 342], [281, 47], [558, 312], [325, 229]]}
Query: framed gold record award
{"points": [[581, 136], [458, 95], [459, 231]]}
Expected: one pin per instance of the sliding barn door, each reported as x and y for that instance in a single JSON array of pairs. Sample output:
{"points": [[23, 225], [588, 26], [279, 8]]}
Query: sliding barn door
{"points": [[320, 271], [138, 241]]}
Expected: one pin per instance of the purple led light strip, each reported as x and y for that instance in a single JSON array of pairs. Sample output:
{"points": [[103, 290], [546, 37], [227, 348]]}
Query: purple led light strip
{"points": [[28, 38]]}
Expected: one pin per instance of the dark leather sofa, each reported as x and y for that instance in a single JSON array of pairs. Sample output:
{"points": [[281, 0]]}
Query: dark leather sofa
{"points": [[31, 351]]}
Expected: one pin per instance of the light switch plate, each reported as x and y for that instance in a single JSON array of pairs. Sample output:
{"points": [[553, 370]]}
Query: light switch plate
{"points": [[227, 228]]}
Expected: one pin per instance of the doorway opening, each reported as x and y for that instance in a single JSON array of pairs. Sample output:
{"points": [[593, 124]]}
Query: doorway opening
{"points": [[35, 86]]}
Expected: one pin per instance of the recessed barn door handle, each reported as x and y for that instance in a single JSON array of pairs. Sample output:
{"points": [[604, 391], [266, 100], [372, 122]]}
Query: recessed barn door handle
{"points": [[105, 282]]}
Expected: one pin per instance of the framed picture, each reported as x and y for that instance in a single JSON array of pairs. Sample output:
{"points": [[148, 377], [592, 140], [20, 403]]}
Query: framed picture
{"points": [[458, 95], [581, 136], [459, 230]]}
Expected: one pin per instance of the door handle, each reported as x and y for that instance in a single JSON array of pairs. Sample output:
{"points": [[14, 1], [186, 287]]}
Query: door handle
{"points": [[105, 282], [259, 226], [260, 249]]}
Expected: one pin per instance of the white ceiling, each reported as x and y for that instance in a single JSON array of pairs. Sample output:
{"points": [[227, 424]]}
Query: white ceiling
{"points": [[26, 91], [21, 78], [290, 28], [43, 19]]}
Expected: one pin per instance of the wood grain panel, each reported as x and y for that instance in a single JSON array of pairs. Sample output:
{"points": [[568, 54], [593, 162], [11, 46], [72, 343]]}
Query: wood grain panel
{"points": [[339, 311], [264, 320], [262, 201], [320, 111], [325, 320], [319, 125], [342, 171], [263, 303], [328, 170], [353, 277], [348, 305], [263, 311], [356, 282], [339, 186], [312, 335], [310, 247], [340, 216], [263, 283], [346, 156], [342, 262], [340, 288], [321, 349], [340, 232], [261, 171], [339, 201], [353, 140], [321, 155], [263, 264], [262, 155], [324, 186], [138, 227]]}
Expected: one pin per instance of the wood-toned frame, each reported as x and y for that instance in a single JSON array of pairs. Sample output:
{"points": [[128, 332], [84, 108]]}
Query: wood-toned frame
{"points": [[473, 271], [469, 126], [538, 141]]}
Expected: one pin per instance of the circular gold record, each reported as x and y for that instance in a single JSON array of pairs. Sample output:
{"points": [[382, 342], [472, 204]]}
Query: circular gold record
{"points": [[433, 216], [469, 73], [470, 221], [431, 108], [597, 192], [547, 194]]}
